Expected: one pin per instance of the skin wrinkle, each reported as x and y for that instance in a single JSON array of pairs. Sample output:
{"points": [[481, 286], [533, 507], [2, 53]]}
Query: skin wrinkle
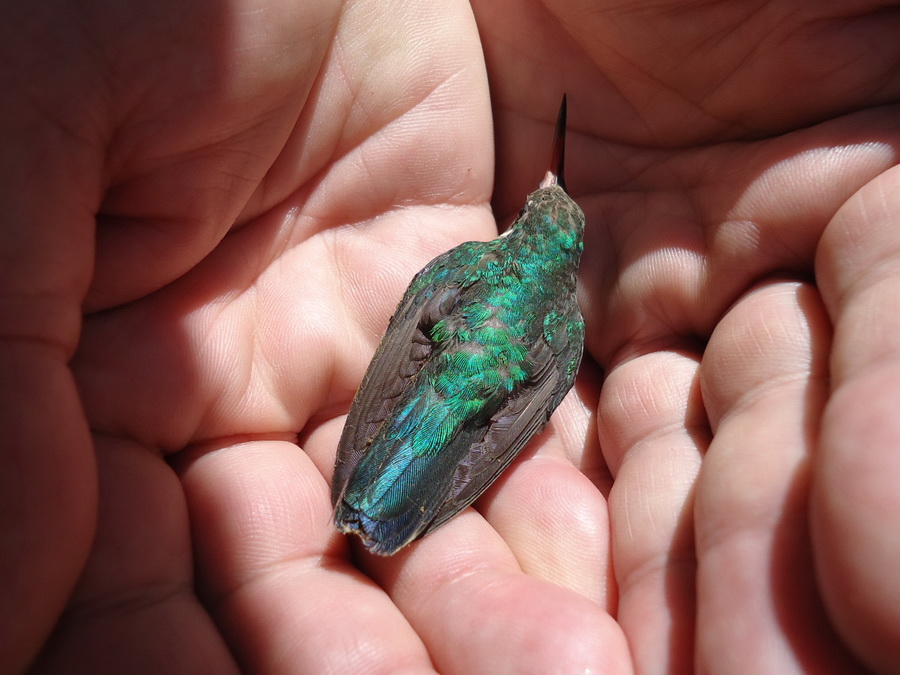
{"points": [[801, 167]]}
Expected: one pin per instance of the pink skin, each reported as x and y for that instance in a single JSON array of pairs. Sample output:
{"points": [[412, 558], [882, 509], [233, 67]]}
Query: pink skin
{"points": [[210, 211]]}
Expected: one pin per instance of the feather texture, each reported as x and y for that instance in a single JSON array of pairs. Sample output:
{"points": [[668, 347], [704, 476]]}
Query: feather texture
{"points": [[482, 348]]}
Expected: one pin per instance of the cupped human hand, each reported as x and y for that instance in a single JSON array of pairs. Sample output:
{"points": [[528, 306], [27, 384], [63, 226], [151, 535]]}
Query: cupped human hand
{"points": [[737, 167], [211, 212]]}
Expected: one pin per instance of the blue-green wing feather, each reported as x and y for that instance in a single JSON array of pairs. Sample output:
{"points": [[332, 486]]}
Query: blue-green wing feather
{"points": [[481, 350], [401, 354], [524, 413], [423, 457]]}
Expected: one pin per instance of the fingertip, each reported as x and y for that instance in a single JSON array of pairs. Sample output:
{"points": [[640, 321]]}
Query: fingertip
{"points": [[855, 514]]}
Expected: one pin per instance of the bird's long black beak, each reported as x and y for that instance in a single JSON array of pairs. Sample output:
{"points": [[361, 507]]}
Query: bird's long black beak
{"points": [[558, 153]]}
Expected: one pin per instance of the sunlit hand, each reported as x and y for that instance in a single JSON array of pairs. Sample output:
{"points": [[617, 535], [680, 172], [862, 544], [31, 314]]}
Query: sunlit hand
{"points": [[236, 196], [737, 166]]}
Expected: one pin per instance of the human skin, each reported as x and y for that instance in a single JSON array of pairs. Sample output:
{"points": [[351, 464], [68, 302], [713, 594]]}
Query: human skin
{"points": [[210, 211]]}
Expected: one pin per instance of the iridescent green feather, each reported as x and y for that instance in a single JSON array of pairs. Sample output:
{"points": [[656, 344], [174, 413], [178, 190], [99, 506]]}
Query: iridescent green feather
{"points": [[482, 348]]}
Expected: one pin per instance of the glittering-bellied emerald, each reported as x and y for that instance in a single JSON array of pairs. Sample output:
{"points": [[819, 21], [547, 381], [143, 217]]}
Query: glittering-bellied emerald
{"points": [[481, 350]]}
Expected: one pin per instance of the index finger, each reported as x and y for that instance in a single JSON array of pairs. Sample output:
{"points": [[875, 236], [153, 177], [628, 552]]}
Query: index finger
{"points": [[856, 504]]}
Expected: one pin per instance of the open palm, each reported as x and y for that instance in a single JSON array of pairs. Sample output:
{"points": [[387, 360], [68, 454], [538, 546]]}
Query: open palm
{"points": [[235, 195], [736, 167]]}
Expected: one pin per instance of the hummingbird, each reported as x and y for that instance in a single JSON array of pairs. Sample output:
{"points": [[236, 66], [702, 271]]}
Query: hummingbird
{"points": [[481, 349]]}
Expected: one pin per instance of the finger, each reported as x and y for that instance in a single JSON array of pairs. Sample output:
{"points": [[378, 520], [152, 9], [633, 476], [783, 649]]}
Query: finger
{"points": [[463, 592], [764, 378], [856, 506], [47, 495], [462, 588], [653, 432], [456, 600], [551, 515], [135, 609], [268, 561], [543, 518], [556, 524], [50, 184]]}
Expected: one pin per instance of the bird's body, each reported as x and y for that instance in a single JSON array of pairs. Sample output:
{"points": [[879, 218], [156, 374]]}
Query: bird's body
{"points": [[482, 348]]}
